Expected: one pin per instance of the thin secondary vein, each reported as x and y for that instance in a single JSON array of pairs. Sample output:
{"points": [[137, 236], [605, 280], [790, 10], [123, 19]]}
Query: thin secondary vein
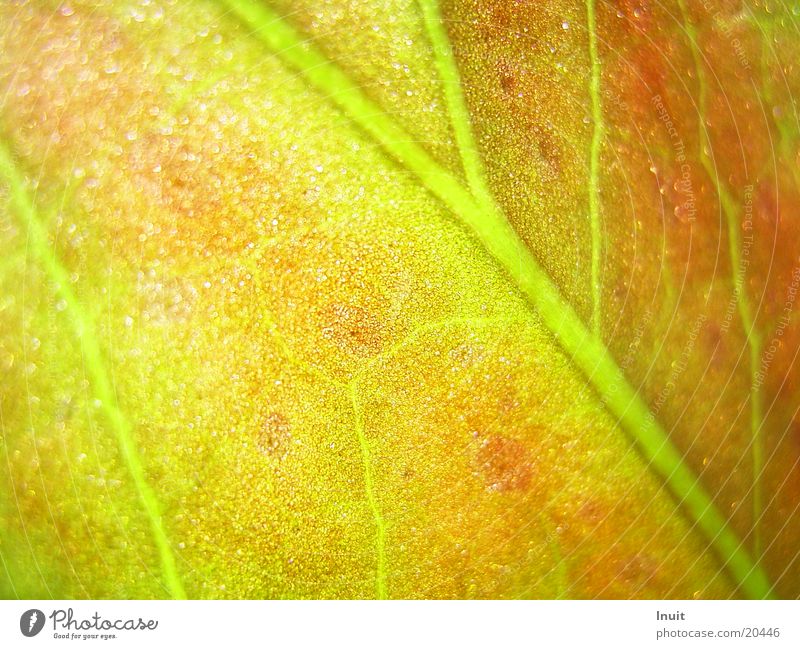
{"points": [[501, 242], [414, 334], [594, 167], [456, 103], [93, 359], [738, 267], [381, 589]]}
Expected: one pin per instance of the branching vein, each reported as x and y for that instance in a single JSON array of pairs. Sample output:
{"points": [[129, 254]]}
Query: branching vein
{"points": [[456, 104], [501, 242]]}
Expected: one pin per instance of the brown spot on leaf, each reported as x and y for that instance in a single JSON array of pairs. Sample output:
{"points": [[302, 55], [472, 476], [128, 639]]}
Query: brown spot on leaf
{"points": [[354, 329], [275, 435], [508, 82], [766, 206], [549, 149], [592, 512], [716, 345], [505, 464]]}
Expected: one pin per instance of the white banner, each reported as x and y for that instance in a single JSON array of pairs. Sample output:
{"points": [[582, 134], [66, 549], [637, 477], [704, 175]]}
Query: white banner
{"points": [[154, 624]]}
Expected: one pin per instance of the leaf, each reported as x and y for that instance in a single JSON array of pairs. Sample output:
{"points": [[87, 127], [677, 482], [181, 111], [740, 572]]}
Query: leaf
{"points": [[480, 300]]}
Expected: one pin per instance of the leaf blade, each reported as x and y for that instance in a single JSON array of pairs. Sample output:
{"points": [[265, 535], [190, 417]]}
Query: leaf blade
{"points": [[505, 246], [93, 359]]}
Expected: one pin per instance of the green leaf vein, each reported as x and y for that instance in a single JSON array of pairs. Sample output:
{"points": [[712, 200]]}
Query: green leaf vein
{"points": [[504, 245], [23, 205]]}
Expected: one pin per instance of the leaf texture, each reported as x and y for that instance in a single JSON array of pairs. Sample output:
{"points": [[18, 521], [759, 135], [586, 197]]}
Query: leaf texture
{"points": [[482, 300]]}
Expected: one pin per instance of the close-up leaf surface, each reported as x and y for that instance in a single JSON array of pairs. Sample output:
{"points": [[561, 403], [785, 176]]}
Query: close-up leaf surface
{"points": [[399, 299]]}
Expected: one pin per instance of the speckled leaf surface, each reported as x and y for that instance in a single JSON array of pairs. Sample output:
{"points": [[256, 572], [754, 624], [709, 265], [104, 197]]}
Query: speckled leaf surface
{"points": [[399, 299]]}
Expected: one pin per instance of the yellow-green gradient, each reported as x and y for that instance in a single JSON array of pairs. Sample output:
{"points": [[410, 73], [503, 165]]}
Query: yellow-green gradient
{"points": [[397, 300]]}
